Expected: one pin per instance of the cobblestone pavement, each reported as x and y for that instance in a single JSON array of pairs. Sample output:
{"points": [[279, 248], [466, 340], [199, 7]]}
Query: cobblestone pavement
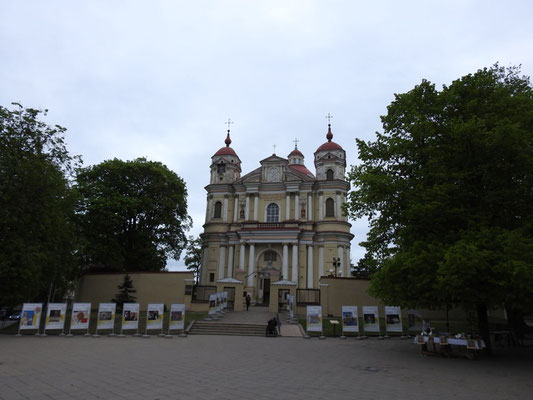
{"points": [[227, 367]]}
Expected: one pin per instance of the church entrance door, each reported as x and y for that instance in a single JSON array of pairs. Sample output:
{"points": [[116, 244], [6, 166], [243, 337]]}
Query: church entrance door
{"points": [[231, 297], [266, 291]]}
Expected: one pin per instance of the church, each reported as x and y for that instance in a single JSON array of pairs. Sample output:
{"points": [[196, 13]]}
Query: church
{"points": [[278, 225]]}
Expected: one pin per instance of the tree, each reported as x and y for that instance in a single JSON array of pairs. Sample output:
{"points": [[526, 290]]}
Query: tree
{"points": [[36, 208], [132, 215], [447, 190], [125, 293], [193, 257]]}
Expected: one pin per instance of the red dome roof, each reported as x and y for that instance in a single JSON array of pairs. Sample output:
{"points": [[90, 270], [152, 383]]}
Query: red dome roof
{"points": [[302, 169], [329, 145], [226, 151], [296, 152]]}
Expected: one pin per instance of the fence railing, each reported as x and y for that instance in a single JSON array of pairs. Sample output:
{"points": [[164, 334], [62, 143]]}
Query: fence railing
{"points": [[308, 296]]}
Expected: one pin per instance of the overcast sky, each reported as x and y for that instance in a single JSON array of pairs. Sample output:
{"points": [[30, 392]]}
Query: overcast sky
{"points": [[159, 78]]}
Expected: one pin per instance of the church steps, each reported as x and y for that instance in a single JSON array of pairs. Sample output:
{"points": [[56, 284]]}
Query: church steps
{"points": [[215, 328]]}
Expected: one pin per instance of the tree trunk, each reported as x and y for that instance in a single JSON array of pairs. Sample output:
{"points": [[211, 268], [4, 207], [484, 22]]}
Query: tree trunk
{"points": [[483, 323], [515, 320]]}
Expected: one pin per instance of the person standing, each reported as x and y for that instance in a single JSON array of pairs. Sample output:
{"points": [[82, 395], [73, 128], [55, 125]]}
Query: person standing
{"points": [[248, 301]]}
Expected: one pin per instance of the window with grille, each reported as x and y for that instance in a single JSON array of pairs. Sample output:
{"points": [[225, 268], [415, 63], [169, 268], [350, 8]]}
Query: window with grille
{"points": [[329, 174], [330, 207], [270, 256], [272, 213]]}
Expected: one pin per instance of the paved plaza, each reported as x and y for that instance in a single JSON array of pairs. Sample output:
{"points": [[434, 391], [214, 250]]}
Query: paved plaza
{"points": [[238, 367]]}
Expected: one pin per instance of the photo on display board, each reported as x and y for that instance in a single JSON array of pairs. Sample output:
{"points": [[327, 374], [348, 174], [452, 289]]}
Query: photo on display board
{"points": [[27, 318], [313, 318], [153, 315], [392, 319], [348, 319], [55, 316], [369, 318], [130, 316], [212, 303], [105, 315], [176, 316], [80, 317]]}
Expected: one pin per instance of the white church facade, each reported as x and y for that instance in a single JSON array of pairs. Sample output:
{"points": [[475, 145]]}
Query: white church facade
{"points": [[278, 225]]}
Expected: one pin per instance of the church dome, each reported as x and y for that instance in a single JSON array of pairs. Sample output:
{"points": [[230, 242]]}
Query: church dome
{"points": [[296, 152], [226, 151], [329, 145]]}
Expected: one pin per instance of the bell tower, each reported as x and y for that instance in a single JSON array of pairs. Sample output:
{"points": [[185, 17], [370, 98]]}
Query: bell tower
{"points": [[225, 164]]}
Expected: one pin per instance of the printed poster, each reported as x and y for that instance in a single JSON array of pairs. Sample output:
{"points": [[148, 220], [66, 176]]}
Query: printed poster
{"points": [[224, 300], [371, 318], [212, 304], [154, 316], [55, 316], [177, 317], [31, 315], [81, 315], [314, 318], [219, 301], [393, 319], [106, 316], [349, 319], [130, 316]]}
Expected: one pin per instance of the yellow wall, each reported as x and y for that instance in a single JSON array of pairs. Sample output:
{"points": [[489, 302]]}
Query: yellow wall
{"points": [[151, 287]]}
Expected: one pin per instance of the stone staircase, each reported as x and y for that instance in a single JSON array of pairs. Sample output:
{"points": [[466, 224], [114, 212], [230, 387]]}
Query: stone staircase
{"points": [[222, 328]]}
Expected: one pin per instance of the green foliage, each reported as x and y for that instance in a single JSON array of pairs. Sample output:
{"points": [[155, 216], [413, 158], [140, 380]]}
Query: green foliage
{"points": [[132, 215], [36, 208], [447, 190], [125, 293], [193, 257]]}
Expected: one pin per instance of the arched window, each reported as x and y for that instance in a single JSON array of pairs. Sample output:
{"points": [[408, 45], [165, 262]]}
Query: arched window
{"points": [[270, 256], [330, 207], [218, 210], [329, 174], [272, 213]]}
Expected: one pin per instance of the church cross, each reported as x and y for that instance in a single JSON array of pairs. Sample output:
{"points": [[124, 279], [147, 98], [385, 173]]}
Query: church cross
{"points": [[329, 117], [228, 123], [274, 146], [296, 143]]}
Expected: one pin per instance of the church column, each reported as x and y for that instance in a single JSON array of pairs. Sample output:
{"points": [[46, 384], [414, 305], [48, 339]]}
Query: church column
{"points": [[294, 263], [230, 261], [310, 274], [251, 266], [320, 207], [340, 256], [247, 209], [320, 261], [288, 206], [310, 207], [203, 275], [339, 208], [208, 207], [222, 262], [225, 207], [242, 256], [256, 207], [296, 207], [236, 209], [285, 265], [347, 263]]}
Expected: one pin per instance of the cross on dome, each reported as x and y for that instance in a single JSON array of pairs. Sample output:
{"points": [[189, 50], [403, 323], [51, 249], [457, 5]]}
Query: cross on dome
{"points": [[296, 143]]}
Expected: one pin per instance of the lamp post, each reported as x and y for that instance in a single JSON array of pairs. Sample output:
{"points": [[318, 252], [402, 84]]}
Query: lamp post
{"points": [[336, 264]]}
